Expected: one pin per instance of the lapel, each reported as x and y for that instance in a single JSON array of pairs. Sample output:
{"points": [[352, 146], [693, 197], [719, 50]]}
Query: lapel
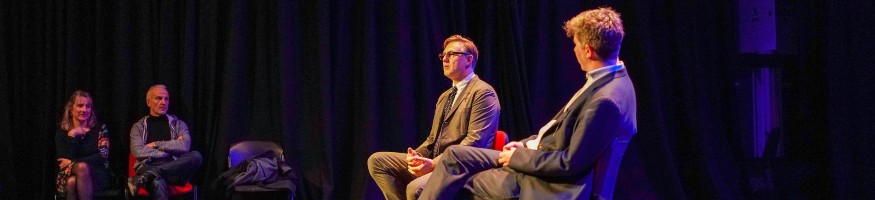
{"points": [[465, 93], [589, 91]]}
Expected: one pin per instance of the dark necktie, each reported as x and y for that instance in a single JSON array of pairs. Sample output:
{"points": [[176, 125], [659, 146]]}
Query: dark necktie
{"points": [[449, 103], [447, 106]]}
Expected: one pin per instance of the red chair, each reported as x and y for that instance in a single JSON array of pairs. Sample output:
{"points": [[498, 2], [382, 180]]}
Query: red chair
{"points": [[175, 190], [500, 140]]}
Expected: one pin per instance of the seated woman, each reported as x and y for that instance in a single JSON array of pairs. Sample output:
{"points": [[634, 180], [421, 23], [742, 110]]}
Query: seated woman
{"points": [[83, 148]]}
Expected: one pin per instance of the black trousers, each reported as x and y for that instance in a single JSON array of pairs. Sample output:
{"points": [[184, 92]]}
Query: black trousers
{"points": [[170, 172]]}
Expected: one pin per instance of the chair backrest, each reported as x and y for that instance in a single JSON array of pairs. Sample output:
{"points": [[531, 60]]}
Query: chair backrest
{"points": [[241, 151], [604, 176], [500, 140]]}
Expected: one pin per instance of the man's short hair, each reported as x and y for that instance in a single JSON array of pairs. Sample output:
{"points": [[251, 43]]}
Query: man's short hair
{"points": [[468, 44], [600, 28], [149, 91]]}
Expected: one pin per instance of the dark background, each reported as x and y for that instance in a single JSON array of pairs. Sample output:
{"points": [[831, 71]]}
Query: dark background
{"points": [[336, 81]]}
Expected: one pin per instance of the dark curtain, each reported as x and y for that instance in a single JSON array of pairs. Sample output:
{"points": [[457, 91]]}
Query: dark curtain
{"points": [[336, 81], [850, 94]]}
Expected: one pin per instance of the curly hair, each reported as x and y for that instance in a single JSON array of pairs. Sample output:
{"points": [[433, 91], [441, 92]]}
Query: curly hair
{"points": [[600, 28]]}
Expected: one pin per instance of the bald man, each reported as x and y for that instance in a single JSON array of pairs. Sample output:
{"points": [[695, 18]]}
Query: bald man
{"points": [[162, 146]]}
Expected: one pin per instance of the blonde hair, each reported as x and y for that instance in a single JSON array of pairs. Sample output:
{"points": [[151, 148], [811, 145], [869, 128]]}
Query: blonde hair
{"points": [[467, 43], [600, 28], [66, 118]]}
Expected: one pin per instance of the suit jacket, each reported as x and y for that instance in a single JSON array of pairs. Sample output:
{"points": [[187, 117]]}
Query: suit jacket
{"points": [[568, 151], [471, 121]]}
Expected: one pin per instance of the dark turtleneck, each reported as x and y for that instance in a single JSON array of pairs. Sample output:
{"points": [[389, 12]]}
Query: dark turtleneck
{"points": [[158, 129]]}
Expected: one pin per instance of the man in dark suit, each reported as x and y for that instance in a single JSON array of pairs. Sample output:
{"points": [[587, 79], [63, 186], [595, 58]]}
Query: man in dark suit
{"points": [[466, 114], [557, 162]]}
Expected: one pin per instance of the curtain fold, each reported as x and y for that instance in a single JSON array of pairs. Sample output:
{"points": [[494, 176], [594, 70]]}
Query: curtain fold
{"points": [[334, 81]]}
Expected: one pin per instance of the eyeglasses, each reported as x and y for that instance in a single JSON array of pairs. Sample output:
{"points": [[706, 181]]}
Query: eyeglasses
{"points": [[442, 55]]}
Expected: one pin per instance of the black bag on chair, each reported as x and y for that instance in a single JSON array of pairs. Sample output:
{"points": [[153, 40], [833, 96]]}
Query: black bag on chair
{"points": [[264, 172]]}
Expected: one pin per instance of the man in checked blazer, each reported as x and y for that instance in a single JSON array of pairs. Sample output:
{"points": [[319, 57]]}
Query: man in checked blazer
{"points": [[555, 163], [466, 114]]}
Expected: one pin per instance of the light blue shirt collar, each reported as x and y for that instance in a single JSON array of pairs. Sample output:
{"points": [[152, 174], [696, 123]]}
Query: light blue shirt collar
{"points": [[604, 71]]}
